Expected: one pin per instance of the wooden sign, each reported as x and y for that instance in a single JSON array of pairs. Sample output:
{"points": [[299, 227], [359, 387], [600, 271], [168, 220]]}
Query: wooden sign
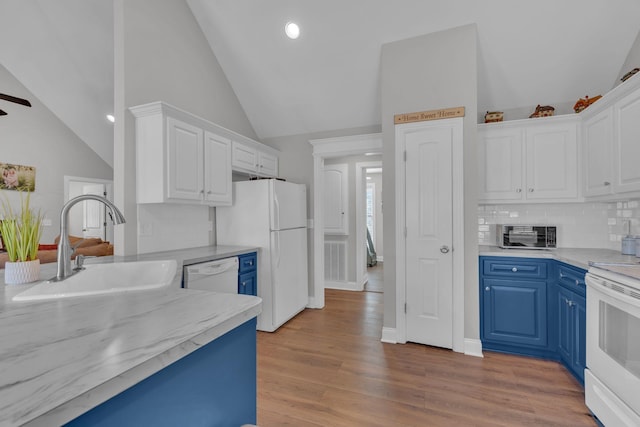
{"points": [[423, 116]]}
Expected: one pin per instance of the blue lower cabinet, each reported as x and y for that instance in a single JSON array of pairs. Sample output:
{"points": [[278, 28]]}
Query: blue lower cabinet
{"points": [[247, 284], [572, 318], [534, 307], [213, 386], [515, 312], [248, 274]]}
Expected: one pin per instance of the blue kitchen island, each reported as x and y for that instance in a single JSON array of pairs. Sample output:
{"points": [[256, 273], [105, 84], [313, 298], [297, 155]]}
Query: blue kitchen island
{"points": [[162, 357]]}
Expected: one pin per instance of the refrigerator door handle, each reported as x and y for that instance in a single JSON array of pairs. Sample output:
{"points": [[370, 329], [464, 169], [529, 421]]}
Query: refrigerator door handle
{"points": [[276, 211], [276, 238]]}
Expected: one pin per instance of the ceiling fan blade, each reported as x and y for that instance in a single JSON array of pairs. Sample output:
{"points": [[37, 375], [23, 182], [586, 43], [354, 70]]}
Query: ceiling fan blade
{"points": [[14, 99], [3, 113]]}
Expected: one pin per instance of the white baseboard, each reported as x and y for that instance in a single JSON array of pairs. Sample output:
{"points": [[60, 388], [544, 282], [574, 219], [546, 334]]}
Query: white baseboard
{"points": [[473, 347], [344, 286], [379, 258], [312, 303], [389, 335]]}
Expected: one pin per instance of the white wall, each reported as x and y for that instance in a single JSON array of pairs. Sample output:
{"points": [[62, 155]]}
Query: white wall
{"points": [[434, 71], [162, 55], [36, 137]]}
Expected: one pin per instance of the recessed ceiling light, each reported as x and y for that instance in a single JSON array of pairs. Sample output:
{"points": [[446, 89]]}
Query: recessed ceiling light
{"points": [[111, 118], [292, 30]]}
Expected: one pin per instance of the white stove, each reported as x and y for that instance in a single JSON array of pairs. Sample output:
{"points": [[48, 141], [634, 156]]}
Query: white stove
{"points": [[612, 377]]}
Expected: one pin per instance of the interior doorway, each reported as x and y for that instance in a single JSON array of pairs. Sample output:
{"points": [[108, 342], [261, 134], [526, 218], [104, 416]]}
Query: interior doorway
{"points": [[325, 149], [88, 219]]}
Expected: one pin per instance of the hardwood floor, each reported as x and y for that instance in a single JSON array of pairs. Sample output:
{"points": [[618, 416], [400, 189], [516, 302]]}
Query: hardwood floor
{"points": [[328, 368]]}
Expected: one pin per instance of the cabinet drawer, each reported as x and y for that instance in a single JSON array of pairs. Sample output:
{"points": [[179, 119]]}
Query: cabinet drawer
{"points": [[248, 262], [514, 268], [571, 278]]}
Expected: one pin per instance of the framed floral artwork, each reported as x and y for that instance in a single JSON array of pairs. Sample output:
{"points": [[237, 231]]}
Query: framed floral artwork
{"points": [[17, 177]]}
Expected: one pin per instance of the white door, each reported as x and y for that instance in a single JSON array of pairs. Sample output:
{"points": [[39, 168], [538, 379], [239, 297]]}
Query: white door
{"points": [[336, 213], [429, 235], [93, 212]]}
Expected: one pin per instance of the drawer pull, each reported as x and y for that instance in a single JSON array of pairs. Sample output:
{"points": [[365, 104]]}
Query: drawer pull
{"points": [[514, 269]]}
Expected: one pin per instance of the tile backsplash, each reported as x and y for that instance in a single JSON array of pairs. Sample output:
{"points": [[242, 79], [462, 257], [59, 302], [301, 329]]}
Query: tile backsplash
{"points": [[580, 225]]}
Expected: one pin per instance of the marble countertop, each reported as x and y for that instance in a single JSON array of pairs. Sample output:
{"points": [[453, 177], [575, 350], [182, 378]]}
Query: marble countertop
{"points": [[60, 358], [578, 257]]}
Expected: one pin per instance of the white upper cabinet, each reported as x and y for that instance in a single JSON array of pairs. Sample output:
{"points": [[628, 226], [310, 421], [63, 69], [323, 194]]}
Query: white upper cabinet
{"points": [[181, 158], [500, 163], [597, 140], [611, 144], [254, 159], [532, 160], [552, 160], [217, 154], [185, 154], [627, 143]]}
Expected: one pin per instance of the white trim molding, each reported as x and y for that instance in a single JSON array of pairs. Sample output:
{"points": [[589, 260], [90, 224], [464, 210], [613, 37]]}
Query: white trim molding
{"points": [[389, 335], [473, 347]]}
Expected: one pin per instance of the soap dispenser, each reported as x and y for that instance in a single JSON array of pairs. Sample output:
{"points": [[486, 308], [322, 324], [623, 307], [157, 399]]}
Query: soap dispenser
{"points": [[628, 242]]}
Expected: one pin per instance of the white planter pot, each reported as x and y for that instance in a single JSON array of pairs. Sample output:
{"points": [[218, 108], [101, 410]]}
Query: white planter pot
{"points": [[16, 273]]}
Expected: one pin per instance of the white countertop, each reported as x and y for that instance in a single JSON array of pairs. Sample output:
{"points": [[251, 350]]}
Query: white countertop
{"points": [[578, 257], [60, 358]]}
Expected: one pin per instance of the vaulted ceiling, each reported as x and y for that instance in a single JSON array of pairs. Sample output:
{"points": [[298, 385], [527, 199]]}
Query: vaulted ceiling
{"points": [[542, 52]]}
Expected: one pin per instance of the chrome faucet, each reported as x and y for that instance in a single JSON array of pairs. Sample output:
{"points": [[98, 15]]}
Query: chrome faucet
{"points": [[64, 247]]}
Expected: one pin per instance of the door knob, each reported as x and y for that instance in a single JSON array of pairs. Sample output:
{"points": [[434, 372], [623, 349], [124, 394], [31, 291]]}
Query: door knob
{"points": [[444, 249]]}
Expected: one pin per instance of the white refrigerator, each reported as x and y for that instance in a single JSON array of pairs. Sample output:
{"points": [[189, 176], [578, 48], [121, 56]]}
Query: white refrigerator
{"points": [[272, 215]]}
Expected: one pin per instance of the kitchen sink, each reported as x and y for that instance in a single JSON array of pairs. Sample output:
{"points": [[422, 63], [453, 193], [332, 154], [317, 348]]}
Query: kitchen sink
{"points": [[99, 279]]}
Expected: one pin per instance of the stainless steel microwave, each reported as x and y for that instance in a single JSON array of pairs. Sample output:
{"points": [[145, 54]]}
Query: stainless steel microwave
{"points": [[526, 236]]}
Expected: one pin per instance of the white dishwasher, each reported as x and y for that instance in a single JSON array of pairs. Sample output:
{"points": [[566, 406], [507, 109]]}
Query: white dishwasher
{"points": [[220, 276]]}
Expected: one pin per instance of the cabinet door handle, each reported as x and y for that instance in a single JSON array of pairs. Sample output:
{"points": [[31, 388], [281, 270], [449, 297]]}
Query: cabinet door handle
{"points": [[577, 282], [487, 288], [607, 183], [519, 190], [514, 269], [244, 283], [531, 190]]}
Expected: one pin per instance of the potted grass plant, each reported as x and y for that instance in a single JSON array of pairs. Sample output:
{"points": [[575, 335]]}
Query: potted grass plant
{"points": [[21, 232]]}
